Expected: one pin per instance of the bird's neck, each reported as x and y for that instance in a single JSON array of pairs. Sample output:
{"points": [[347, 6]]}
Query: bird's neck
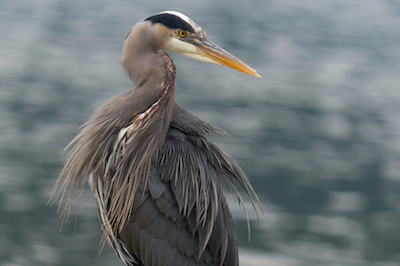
{"points": [[140, 142], [149, 70], [140, 59], [153, 74], [159, 112], [167, 92]]}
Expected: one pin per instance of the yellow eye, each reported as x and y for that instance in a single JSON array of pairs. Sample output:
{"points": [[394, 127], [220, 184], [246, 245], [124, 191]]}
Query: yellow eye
{"points": [[182, 33]]}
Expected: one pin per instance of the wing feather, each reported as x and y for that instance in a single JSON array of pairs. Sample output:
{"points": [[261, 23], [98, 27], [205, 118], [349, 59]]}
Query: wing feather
{"points": [[180, 215]]}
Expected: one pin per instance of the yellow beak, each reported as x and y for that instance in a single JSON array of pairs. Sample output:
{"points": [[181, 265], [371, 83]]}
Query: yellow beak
{"points": [[212, 51]]}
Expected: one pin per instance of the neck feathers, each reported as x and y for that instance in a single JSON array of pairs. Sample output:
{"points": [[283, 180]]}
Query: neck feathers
{"points": [[138, 146], [120, 142]]}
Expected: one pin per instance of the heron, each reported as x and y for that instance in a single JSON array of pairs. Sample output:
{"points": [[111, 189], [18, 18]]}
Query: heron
{"points": [[159, 184]]}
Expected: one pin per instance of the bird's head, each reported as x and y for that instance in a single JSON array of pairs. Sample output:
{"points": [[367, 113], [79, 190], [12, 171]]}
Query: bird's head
{"points": [[179, 34]]}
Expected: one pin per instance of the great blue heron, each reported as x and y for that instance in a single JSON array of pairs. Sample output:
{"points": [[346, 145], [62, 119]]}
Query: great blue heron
{"points": [[157, 181]]}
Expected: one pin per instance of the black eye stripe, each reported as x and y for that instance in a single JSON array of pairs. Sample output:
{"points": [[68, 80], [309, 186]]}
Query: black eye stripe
{"points": [[170, 21]]}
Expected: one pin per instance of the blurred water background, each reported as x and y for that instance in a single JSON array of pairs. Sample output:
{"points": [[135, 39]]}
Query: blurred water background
{"points": [[318, 135]]}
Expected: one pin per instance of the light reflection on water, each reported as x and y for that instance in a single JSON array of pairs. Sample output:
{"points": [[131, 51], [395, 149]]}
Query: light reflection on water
{"points": [[318, 135]]}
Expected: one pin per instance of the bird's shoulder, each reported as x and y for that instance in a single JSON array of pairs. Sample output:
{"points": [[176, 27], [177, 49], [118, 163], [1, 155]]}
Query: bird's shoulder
{"points": [[189, 124]]}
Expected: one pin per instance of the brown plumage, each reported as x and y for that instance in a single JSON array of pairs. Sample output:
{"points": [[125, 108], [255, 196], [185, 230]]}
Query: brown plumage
{"points": [[158, 182]]}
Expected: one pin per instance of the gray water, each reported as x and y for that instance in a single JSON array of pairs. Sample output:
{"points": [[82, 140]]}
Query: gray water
{"points": [[318, 135]]}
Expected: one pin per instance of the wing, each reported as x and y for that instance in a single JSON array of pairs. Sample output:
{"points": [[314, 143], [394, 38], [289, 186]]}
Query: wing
{"points": [[180, 217], [179, 214]]}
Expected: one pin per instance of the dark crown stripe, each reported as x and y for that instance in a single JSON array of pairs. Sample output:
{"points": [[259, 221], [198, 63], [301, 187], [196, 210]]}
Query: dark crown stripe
{"points": [[170, 21]]}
